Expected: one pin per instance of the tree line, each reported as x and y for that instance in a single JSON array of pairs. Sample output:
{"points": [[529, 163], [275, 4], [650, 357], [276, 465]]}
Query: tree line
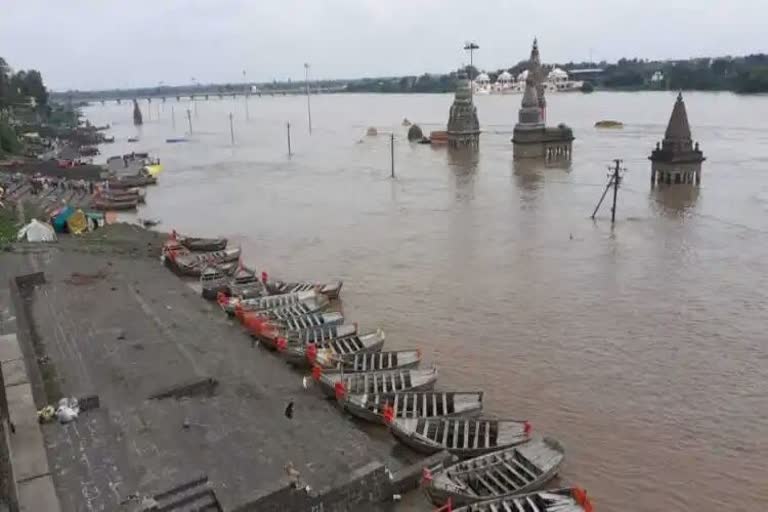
{"points": [[22, 92]]}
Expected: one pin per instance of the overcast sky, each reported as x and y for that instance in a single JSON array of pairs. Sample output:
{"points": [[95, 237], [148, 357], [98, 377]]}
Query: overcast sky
{"points": [[90, 44]]}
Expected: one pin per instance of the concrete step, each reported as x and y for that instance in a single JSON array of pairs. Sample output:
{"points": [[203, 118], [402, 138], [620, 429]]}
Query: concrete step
{"points": [[192, 496]]}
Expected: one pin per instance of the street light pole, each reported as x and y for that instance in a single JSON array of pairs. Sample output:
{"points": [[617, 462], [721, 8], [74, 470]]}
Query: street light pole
{"points": [[306, 85], [471, 46]]}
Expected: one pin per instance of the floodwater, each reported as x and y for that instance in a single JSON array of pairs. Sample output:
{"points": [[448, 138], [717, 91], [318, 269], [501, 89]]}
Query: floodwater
{"points": [[642, 346]]}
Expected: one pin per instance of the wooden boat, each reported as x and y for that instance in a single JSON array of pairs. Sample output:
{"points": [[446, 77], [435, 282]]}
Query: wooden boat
{"points": [[511, 471], [322, 335], [245, 284], [337, 384], [122, 194], [103, 204], [428, 404], [132, 181], [330, 290], [192, 264], [293, 326], [213, 281], [327, 352], [202, 244], [551, 500], [238, 306], [279, 315], [372, 361], [465, 437]]}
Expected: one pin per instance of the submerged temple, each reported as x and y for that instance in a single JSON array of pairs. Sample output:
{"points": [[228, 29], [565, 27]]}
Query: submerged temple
{"points": [[137, 119], [463, 125], [532, 138], [677, 159]]}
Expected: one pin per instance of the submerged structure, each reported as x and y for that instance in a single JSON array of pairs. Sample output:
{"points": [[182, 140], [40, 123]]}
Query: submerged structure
{"points": [[137, 119], [677, 159], [463, 125], [532, 138]]}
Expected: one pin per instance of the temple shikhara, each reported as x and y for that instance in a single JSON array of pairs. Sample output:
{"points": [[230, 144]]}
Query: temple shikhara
{"points": [[677, 159], [532, 138], [463, 125]]}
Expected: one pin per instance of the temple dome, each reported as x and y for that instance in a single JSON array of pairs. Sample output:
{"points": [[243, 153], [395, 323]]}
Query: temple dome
{"points": [[557, 74], [505, 77], [482, 77]]}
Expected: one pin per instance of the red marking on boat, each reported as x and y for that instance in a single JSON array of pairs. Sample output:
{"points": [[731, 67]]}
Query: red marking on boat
{"points": [[389, 413], [311, 352], [580, 496], [316, 372], [340, 390]]}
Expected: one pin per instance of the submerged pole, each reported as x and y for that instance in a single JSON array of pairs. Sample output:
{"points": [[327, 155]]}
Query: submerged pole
{"points": [[605, 192], [288, 126], [189, 118], [247, 114], [231, 129], [173, 117], [306, 85], [392, 152], [616, 179]]}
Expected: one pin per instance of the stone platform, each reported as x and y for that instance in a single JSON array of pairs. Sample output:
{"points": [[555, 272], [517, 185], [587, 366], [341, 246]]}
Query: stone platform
{"points": [[116, 323]]}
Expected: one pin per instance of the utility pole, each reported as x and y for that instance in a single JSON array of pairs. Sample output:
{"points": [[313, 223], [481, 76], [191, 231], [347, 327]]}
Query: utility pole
{"points": [[189, 118], [231, 129], [288, 127], [247, 94], [614, 181], [306, 85], [392, 152]]}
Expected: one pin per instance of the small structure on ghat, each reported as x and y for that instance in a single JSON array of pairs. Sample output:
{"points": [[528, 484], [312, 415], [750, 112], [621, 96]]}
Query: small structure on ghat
{"points": [[677, 159], [463, 125], [532, 138]]}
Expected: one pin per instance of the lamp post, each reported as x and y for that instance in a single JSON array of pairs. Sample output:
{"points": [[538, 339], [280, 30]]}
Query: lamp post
{"points": [[247, 94], [306, 86], [471, 46]]}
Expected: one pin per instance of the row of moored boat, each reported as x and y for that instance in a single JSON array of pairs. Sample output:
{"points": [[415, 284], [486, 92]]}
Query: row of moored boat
{"points": [[502, 465]]}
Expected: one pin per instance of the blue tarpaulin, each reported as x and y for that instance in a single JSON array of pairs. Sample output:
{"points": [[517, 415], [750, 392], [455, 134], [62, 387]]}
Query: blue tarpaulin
{"points": [[59, 221]]}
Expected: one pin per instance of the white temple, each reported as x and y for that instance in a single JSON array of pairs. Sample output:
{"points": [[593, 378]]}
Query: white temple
{"points": [[556, 81]]}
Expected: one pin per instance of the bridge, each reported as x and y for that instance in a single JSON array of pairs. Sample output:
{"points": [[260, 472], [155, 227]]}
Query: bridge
{"points": [[198, 95]]}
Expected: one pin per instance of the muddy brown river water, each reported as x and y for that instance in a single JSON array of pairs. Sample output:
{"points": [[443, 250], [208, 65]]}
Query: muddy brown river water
{"points": [[642, 347]]}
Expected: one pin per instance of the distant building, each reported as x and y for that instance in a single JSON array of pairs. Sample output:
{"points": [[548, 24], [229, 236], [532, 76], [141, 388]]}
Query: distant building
{"points": [[556, 81], [531, 138], [463, 124], [657, 77], [677, 159]]}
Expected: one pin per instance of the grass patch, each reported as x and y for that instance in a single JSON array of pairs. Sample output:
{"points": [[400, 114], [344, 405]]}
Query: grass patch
{"points": [[9, 225]]}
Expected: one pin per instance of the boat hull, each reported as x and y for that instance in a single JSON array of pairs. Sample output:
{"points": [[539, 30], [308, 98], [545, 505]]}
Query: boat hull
{"points": [[439, 492]]}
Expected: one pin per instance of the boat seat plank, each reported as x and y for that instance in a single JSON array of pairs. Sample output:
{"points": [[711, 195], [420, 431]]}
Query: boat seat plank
{"points": [[524, 477], [493, 490]]}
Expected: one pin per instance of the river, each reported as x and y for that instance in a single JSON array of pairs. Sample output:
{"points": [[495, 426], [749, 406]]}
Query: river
{"points": [[642, 346]]}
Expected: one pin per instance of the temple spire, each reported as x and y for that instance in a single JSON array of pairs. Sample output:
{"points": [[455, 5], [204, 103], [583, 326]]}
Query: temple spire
{"points": [[678, 128]]}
